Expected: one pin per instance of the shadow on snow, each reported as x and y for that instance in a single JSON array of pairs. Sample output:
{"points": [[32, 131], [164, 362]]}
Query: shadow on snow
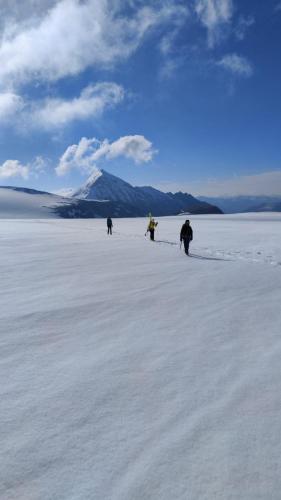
{"points": [[201, 257], [167, 242]]}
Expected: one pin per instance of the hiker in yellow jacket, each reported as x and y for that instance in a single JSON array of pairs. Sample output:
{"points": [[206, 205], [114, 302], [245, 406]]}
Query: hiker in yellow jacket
{"points": [[151, 228]]}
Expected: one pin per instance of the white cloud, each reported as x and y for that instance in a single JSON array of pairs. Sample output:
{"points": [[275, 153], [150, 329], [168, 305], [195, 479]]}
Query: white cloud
{"points": [[10, 104], [46, 40], [263, 184], [133, 147], [237, 65], [73, 35], [83, 156], [77, 156], [94, 99], [214, 15], [278, 7], [13, 168]]}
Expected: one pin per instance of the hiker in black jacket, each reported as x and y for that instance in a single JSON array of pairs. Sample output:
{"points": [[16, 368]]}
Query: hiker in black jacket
{"points": [[186, 235], [109, 225]]}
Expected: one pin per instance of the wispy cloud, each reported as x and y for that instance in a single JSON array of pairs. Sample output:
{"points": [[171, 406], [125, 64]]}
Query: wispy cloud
{"points": [[278, 7], [55, 113], [84, 155], [92, 102], [237, 65], [214, 15], [173, 56], [244, 23], [171, 67]]}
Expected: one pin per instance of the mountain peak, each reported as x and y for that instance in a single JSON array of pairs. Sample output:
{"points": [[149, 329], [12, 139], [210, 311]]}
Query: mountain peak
{"points": [[101, 185]]}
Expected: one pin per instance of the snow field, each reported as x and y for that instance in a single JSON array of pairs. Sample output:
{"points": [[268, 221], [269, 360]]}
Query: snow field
{"points": [[130, 371]]}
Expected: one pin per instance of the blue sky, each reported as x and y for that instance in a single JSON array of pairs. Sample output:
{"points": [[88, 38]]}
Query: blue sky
{"points": [[179, 94]]}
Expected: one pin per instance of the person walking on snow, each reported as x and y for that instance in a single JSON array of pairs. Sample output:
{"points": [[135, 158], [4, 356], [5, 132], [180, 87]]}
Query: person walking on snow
{"points": [[186, 235], [151, 228], [109, 225]]}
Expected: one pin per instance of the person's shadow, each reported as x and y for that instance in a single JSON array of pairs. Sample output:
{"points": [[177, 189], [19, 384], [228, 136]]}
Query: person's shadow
{"points": [[201, 257], [167, 242], [193, 255]]}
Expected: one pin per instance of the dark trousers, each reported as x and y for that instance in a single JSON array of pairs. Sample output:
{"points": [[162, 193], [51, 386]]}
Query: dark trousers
{"points": [[151, 234], [109, 229], [186, 242]]}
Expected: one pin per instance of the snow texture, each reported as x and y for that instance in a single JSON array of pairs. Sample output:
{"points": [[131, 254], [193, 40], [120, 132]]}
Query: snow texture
{"points": [[130, 371]]}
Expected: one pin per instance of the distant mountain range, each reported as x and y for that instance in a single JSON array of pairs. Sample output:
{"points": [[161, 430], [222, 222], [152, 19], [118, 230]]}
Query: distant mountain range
{"points": [[239, 204], [102, 195]]}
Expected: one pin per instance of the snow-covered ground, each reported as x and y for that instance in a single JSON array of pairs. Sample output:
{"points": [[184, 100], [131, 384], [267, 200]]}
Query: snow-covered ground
{"points": [[23, 205], [132, 372]]}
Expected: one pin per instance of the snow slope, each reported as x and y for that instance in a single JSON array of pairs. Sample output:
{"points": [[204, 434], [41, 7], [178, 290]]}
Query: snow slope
{"points": [[21, 204], [24, 203], [130, 371]]}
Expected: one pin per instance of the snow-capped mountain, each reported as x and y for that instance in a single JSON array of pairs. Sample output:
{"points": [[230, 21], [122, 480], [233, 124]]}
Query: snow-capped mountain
{"points": [[107, 187], [104, 186]]}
